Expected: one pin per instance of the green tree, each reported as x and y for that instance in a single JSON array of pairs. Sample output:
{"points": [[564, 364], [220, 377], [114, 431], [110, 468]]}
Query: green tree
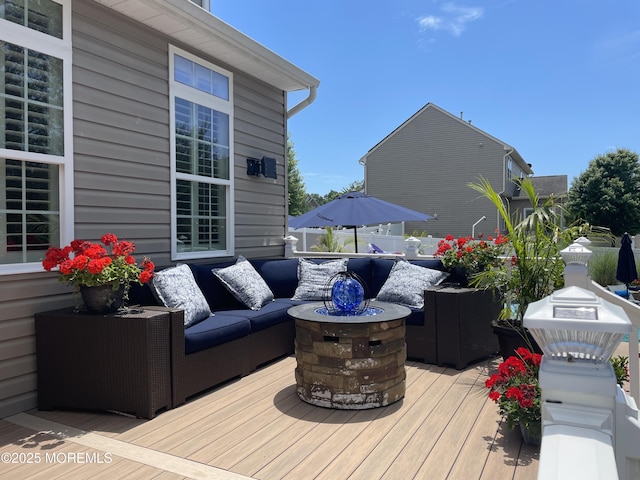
{"points": [[355, 186], [297, 193], [607, 193]]}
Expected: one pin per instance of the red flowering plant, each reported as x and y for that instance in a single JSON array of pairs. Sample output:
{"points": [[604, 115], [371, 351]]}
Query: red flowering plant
{"points": [[84, 263], [474, 256], [516, 390]]}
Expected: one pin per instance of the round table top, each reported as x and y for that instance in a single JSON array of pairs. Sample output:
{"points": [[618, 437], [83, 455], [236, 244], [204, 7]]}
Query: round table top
{"points": [[389, 312]]}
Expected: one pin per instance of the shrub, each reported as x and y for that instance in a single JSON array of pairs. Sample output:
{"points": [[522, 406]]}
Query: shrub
{"points": [[603, 265]]}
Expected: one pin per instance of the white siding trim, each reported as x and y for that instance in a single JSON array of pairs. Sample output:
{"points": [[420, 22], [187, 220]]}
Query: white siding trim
{"points": [[61, 48]]}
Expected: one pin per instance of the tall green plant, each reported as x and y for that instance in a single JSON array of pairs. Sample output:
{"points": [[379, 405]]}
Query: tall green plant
{"points": [[603, 265], [328, 243], [535, 268]]}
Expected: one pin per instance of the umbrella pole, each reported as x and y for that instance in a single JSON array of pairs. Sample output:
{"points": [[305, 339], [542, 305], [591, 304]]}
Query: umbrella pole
{"points": [[355, 237]]}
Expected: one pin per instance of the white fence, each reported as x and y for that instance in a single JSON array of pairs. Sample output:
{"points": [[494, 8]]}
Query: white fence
{"points": [[387, 238]]}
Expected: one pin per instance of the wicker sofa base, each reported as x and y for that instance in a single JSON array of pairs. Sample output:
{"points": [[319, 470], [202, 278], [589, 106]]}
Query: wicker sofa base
{"points": [[194, 373]]}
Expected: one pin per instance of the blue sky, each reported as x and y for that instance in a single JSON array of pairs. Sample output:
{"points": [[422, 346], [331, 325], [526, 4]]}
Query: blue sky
{"points": [[557, 79]]}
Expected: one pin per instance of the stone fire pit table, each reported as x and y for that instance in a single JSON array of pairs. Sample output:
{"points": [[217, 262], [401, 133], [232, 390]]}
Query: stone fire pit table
{"points": [[348, 361]]}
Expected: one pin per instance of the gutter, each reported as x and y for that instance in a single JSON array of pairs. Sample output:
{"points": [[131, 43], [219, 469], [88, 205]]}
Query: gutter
{"points": [[313, 92]]}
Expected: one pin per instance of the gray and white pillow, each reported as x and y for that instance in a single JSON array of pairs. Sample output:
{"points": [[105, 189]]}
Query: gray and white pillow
{"points": [[406, 284], [313, 278], [176, 288], [245, 283]]}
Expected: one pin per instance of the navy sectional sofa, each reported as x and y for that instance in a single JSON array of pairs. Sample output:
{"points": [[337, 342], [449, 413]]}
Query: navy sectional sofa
{"points": [[236, 340]]}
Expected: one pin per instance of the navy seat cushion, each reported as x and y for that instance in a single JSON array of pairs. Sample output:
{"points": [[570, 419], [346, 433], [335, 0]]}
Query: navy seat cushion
{"points": [[269, 315], [215, 330]]}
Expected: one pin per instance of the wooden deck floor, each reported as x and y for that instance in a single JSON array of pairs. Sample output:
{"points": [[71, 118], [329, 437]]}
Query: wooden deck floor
{"points": [[256, 427]]}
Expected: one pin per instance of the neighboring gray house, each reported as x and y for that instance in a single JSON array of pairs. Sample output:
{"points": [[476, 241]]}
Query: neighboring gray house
{"points": [[552, 186], [426, 163], [134, 117]]}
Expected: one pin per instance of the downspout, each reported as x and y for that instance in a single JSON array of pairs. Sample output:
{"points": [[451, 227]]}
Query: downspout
{"points": [[363, 162], [504, 182], [313, 89]]}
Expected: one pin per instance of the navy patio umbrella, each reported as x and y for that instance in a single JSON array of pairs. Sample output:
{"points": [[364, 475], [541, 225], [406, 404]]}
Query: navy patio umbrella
{"points": [[354, 209], [626, 271]]}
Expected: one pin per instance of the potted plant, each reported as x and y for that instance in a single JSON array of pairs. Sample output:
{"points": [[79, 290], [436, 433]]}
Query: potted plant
{"points": [[101, 272], [516, 390], [469, 255], [533, 268]]}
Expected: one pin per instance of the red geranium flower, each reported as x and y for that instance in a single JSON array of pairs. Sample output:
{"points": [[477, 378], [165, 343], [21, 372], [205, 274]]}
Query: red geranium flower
{"points": [[83, 263], [515, 388], [473, 255]]}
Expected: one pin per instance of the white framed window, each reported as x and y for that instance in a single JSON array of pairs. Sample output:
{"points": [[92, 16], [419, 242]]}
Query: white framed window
{"points": [[202, 3], [201, 104], [36, 137]]}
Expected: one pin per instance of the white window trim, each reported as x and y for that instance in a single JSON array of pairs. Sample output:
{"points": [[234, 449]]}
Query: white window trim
{"points": [[224, 106], [60, 48]]}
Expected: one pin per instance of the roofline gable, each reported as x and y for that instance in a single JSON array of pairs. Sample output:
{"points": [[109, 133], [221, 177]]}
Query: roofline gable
{"points": [[507, 147], [192, 25]]}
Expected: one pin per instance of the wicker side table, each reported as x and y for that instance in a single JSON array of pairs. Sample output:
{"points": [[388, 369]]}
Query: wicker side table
{"points": [[463, 319], [119, 362]]}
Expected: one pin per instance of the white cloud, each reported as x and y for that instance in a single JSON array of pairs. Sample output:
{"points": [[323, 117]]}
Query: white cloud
{"points": [[430, 22], [454, 19]]}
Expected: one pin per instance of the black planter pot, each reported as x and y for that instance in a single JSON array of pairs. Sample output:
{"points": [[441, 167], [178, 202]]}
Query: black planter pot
{"points": [[510, 339], [102, 299]]}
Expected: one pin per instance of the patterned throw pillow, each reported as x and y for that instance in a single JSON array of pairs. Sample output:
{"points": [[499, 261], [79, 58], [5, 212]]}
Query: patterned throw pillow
{"points": [[245, 284], [313, 278], [406, 283], [176, 288]]}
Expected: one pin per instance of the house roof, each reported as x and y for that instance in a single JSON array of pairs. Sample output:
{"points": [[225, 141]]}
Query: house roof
{"points": [[546, 186], [192, 25], [508, 148]]}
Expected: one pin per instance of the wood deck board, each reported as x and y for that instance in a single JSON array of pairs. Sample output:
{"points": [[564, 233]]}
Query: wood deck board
{"points": [[454, 433], [256, 426], [413, 454]]}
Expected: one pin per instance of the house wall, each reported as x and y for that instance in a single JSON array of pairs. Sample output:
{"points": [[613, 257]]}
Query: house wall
{"points": [[122, 172], [426, 164]]}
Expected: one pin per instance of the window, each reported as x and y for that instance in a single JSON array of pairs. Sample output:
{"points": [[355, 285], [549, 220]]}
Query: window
{"points": [[35, 134], [202, 3], [202, 172]]}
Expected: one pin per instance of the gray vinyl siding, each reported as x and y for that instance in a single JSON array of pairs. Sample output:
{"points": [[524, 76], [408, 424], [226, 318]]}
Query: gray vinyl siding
{"points": [[426, 165], [122, 172]]}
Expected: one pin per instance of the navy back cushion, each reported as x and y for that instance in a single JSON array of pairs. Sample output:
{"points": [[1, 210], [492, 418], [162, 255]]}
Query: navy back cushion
{"points": [[364, 269], [281, 275], [217, 295]]}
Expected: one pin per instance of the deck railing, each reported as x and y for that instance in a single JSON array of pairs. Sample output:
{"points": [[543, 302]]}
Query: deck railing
{"points": [[633, 312]]}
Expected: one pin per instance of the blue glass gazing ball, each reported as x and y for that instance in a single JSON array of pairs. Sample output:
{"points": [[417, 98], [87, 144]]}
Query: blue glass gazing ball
{"points": [[347, 295]]}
